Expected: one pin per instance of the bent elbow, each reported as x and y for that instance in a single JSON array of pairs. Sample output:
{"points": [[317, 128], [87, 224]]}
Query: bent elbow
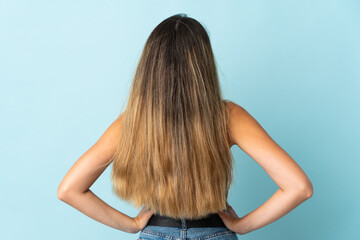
{"points": [[61, 195], [307, 190]]}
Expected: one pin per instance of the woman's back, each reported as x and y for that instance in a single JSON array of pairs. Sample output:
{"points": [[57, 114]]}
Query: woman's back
{"points": [[170, 148]]}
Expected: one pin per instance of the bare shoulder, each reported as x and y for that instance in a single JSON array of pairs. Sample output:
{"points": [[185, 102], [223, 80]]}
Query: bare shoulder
{"points": [[247, 133], [93, 162], [240, 122], [115, 128], [244, 128]]}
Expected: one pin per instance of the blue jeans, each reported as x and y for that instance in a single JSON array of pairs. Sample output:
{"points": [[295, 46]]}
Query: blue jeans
{"points": [[192, 233]]}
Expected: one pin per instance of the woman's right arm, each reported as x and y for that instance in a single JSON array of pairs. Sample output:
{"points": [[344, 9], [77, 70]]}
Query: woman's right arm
{"points": [[294, 186]]}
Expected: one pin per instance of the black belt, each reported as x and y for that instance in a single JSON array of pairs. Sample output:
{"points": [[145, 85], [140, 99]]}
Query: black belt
{"points": [[213, 220]]}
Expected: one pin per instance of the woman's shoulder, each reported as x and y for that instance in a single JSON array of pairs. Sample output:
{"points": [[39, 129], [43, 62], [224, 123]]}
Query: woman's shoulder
{"points": [[238, 119], [244, 129], [233, 107]]}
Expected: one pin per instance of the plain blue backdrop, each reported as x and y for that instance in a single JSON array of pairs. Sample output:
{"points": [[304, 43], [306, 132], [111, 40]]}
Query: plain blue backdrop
{"points": [[65, 72]]}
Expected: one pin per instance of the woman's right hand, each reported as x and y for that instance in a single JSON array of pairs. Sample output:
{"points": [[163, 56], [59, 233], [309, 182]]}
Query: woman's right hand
{"points": [[230, 218]]}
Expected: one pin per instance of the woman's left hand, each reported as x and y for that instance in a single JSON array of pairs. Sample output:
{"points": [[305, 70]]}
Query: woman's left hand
{"points": [[142, 219]]}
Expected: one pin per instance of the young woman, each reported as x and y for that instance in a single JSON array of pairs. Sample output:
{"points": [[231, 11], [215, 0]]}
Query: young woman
{"points": [[170, 148]]}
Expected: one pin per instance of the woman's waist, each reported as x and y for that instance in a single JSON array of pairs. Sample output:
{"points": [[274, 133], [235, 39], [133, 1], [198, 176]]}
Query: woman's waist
{"points": [[211, 220]]}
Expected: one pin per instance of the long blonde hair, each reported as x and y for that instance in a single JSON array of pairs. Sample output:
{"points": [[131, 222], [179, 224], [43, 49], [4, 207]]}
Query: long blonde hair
{"points": [[173, 154]]}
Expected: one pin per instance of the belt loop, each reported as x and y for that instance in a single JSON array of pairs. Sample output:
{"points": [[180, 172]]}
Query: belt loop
{"points": [[183, 224]]}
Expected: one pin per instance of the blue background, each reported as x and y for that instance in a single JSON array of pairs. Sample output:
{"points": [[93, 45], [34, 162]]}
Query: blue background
{"points": [[65, 72]]}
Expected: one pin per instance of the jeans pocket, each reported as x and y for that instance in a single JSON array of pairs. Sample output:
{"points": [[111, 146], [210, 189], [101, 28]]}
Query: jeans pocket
{"points": [[223, 235]]}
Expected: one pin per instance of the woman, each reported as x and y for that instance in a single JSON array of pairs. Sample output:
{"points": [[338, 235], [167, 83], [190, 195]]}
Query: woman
{"points": [[170, 148]]}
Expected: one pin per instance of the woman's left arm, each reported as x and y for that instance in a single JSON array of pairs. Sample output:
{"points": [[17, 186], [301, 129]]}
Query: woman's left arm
{"points": [[74, 187]]}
